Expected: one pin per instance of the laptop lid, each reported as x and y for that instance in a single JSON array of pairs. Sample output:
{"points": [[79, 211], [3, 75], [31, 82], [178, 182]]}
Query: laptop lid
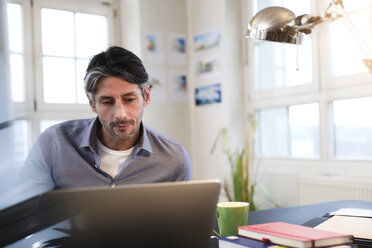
{"points": [[176, 214]]}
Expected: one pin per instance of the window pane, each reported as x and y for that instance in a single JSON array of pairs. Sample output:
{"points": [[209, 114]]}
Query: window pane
{"points": [[15, 39], [59, 80], [57, 29], [92, 30], [15, 27], [17, 77], [352, 127], [304, 129], [74, 38], [279, 64], [289, 131], [346, 41], [81, 66], [273, 132]]}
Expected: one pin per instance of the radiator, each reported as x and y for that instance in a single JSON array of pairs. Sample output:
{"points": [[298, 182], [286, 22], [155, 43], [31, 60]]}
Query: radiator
{"points": [[330, 187]]}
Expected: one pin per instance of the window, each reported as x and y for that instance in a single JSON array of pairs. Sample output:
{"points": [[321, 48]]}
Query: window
{"points": [[16, 47], [329, 120], [291, 131], [67, 34], [280, 65], [350, 40], [289, 65], [352, 128], [69, 39]]}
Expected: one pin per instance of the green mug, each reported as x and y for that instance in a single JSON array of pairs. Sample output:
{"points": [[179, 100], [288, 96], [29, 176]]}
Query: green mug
{"points": [[230, 215]]}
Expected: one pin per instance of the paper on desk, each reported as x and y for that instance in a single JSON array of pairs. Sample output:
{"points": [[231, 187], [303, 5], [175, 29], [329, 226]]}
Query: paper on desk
{"points": [[359, 227], [361, 212]]}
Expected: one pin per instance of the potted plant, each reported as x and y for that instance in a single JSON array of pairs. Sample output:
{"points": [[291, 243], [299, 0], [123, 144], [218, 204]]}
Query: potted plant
{"points": [[241, 185]]}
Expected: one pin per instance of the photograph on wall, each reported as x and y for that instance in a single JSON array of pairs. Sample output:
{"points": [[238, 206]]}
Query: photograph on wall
{"points": [[176, 45], [206, 40], [157, 79], [154, 47], [208, 94], [207, 68], [178, 85]]}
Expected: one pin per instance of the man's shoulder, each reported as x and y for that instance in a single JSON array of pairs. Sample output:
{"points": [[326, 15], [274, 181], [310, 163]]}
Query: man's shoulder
{"points": [[70, 125], [169, 153], [157, 138], [71, 128]]}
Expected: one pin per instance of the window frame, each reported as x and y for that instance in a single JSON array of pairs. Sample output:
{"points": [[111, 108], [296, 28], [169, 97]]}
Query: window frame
{"points": [[323, 90], [25, 107], [97, 7], [257, 95], [329, 82]]}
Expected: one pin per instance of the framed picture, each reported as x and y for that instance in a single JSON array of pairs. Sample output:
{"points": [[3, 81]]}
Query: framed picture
{"points": [[178, 85], [206, 40], [154, 45], [176, 46], [208, 94]]}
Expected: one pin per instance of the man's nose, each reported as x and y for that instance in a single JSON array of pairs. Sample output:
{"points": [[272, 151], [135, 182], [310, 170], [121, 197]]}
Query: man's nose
{"points": [[121, 112]]}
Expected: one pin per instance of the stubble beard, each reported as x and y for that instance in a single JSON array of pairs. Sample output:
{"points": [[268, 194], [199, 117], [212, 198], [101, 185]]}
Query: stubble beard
{"points": [[122, 136], [118, 136]]}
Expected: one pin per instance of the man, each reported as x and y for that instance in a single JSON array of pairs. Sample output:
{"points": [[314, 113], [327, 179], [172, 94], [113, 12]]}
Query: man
{"points": [[115, 148]]}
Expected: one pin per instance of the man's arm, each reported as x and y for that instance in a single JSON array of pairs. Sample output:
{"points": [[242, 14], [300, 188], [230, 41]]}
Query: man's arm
{"points": [[37, 168], [35, 177], [186, 167]]}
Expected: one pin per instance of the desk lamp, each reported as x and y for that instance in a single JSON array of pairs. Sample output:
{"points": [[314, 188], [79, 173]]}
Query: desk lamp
{"points": [[280, 24]]}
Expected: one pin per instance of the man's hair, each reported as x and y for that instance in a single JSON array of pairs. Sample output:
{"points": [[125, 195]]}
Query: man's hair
{"points": [[115, 62]]}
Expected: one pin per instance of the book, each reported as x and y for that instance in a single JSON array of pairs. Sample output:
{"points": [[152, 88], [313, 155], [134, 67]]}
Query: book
{"points": [[236, 241], [293, 235], [359, 227]]}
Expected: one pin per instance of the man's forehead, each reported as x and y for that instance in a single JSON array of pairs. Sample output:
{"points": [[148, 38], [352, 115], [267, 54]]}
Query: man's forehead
{"points": [[114, 84], [103, 95]]}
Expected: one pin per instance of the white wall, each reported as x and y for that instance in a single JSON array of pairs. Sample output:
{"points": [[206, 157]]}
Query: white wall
{"points": [[129, 23], [165, 16], [196, 127], [208, 120], [167, 116]]}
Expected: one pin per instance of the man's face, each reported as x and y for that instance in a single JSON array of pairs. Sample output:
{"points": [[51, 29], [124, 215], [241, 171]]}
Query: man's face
{"points": [[119, 106]]}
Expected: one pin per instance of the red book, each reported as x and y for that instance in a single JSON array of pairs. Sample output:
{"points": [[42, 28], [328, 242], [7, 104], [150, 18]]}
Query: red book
{"points": [[294, 235]]}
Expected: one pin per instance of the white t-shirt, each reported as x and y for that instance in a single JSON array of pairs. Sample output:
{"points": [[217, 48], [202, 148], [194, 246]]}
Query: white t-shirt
{"points": [[112, 161]]}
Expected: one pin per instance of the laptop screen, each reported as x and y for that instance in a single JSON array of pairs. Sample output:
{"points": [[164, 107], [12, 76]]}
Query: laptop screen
{"points": [[177, 214]]}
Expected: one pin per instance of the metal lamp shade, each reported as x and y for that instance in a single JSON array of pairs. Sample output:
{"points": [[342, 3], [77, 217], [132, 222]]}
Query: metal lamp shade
{"points": [[274, 24]]}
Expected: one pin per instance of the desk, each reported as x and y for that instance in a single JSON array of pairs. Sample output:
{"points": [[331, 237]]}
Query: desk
{"points": [[300, 215]]}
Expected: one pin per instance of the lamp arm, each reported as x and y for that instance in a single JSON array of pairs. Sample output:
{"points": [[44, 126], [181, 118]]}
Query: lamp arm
{"points": [[358, 37], [305, 23]]}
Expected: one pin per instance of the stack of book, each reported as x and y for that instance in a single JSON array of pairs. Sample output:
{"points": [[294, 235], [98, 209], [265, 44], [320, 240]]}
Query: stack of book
{"points": [[281, 234], [356, 221]]}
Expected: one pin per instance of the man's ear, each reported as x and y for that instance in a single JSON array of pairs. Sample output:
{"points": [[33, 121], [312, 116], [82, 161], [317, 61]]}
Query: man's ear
{"points": [[147, 95], [92, 107]]}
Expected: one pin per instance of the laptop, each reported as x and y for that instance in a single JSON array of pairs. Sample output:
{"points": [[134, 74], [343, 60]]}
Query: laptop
{"points": [[176, 214]]}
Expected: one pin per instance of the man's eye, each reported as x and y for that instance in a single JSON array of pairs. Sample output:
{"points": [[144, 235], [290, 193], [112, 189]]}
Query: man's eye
{"points": [[107, 102], [130, 99]]}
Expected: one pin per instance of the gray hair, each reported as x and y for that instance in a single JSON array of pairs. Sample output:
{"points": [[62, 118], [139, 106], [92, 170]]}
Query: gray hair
{"points": [[115, 62]]}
